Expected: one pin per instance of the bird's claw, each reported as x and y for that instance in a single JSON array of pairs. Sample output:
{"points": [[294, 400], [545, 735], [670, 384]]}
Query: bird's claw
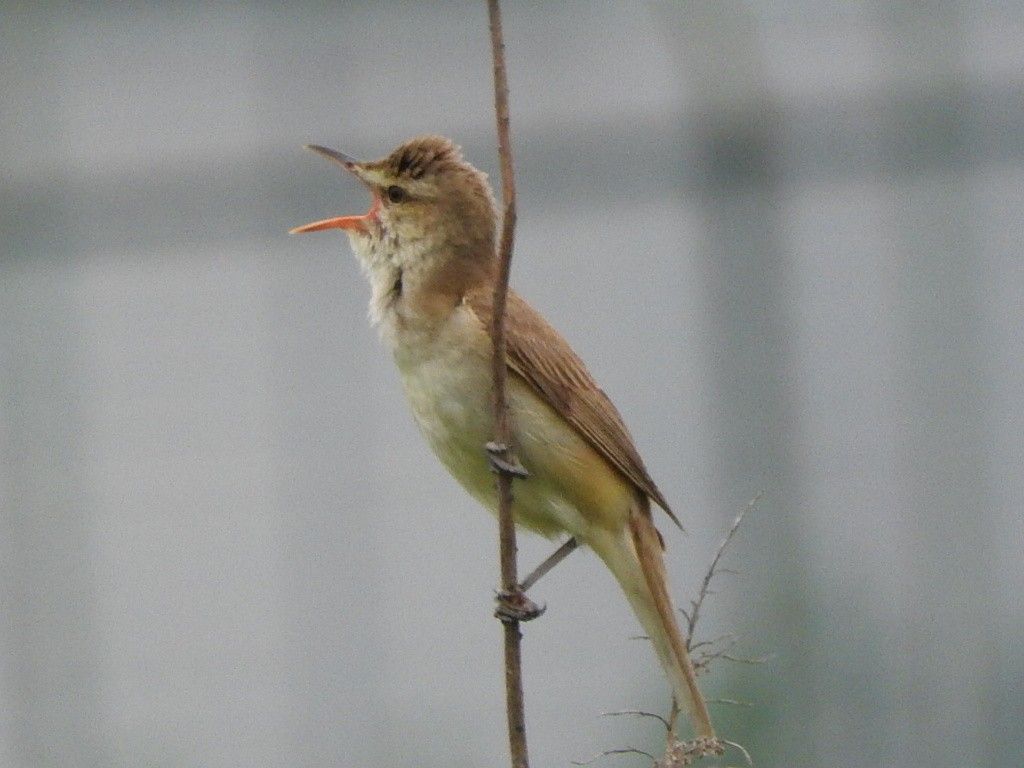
{"points": [[497, 454], [516, 606]]}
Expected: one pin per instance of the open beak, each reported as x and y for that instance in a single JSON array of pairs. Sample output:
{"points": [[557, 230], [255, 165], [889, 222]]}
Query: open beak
{"points": [[355, 223]]}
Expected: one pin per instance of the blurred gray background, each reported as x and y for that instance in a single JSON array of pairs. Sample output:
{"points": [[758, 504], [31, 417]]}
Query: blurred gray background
{"points": [[786, 237]]}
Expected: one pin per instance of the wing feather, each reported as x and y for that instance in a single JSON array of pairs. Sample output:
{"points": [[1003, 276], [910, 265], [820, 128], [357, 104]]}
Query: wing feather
{"points": [[536, 352]]}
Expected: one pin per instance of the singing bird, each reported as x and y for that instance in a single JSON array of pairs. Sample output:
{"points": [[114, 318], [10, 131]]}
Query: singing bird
{"points": [[428, 248]]}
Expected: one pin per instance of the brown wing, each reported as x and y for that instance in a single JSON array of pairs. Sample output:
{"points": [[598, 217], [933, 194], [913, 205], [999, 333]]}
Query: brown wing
{"points": [[545, 360]]}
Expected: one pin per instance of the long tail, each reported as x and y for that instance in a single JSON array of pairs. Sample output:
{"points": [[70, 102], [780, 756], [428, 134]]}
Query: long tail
{"points": [[634, 557]]}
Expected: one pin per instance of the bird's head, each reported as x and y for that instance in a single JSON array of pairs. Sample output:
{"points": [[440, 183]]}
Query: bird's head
{"points": [[428, 205]]}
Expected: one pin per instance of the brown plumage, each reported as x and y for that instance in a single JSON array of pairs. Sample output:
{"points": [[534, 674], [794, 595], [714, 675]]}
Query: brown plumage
{"points": [[537, 353], [427, 248], [422, 156]]}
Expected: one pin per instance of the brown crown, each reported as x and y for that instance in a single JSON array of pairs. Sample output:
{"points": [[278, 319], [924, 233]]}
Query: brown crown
{"points": [[421, 156]]}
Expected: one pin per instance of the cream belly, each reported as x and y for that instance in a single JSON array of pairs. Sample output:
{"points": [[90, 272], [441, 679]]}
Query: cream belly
{"points": [[447, 381]]}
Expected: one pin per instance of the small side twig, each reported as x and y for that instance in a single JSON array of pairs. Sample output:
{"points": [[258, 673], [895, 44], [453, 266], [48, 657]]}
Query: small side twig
{"points": [[639, 713], [607, 752], [731, 702], [693, 614], [740, 747]]}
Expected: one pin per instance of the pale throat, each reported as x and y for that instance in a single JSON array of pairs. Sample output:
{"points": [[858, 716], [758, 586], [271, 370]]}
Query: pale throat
{"points": [[402, 296]]}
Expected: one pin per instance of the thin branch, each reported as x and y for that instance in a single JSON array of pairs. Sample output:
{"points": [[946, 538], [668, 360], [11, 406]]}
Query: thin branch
{"points": [[607, 752], [747, 660], [693, 614], [714, 641], [731, 702], [746, 755], [502, 430], [639, 713], [705, 658], [501, 448]]}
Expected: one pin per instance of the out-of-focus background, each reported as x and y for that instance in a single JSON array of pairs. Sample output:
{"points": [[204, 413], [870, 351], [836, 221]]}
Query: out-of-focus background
{"points": [[786, 237]]}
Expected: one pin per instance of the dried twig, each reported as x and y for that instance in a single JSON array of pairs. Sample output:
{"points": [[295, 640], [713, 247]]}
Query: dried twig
{"points": [[695, 605], [731, 702], [724, 645], [746, 755], [607, 752], [500, 449], [639, 713]]}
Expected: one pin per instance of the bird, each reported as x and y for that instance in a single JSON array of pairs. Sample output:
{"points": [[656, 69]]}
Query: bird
{"points": [[427, 246]]}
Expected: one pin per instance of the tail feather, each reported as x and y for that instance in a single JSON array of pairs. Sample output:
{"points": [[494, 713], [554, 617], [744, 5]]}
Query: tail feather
{"points": [[634, 557]]}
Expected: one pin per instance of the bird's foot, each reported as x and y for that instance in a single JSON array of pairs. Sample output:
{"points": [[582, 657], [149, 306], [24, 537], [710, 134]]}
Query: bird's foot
{"points": [[498, 457], [516, 606]]}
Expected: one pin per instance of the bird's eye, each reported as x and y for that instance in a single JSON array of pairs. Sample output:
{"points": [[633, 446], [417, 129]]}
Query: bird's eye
{"points": [[395, 194]]}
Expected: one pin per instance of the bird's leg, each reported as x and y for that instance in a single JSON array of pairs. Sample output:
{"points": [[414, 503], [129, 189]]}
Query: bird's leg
{"points": [[516, 605], [498, 457], [552, 560], [513, 605]]}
